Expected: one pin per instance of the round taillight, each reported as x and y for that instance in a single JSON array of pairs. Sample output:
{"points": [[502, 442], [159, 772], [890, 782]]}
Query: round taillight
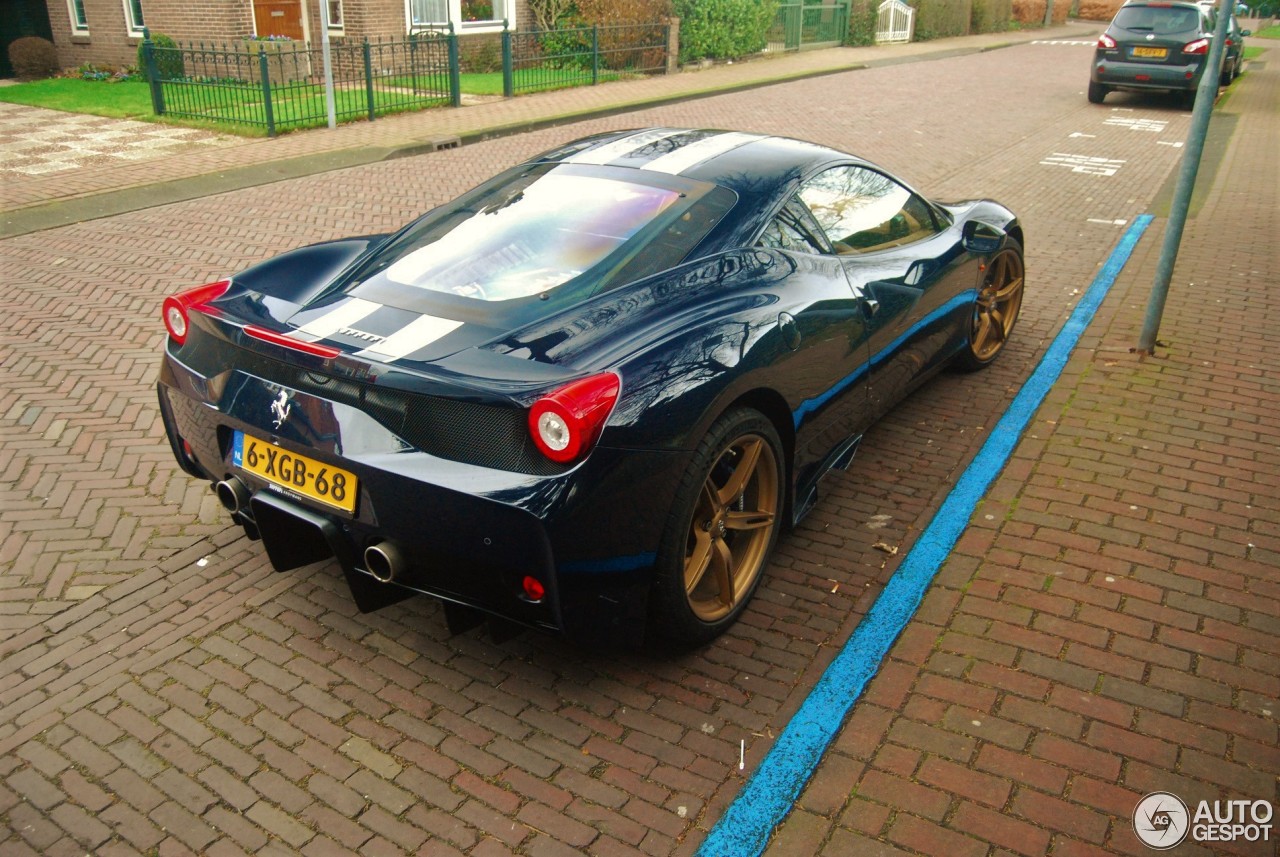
{"points": [[176, 306], [565, 424], [554, 431], [175, 320]]}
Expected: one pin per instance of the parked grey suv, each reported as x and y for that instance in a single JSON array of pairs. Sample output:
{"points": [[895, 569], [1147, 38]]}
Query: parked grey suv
{"points": [[1153, 46]]}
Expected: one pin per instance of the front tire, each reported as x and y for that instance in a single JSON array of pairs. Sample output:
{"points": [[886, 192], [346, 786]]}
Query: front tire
{"points": [[995, 310], [720, 533]]}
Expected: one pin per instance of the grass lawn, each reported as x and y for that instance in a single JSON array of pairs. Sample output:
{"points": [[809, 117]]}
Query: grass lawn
{"points": [[129, 99], [216, 107], [532, 80], [1272, 32], [237, 109]]}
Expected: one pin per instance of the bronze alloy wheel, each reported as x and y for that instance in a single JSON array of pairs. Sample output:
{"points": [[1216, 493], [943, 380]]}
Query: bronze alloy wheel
{"points": [[996, 309], [732, 529]]}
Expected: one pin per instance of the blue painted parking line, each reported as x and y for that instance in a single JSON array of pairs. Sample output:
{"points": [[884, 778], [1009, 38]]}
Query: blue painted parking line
{"points": [[768, 796]]}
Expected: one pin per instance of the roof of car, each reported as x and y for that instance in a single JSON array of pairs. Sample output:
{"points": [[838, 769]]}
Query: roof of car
{"points": [[741, 161]]}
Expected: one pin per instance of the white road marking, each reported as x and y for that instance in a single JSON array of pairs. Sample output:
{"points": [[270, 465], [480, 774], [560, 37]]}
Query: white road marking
{"points": [[1084, 164]]}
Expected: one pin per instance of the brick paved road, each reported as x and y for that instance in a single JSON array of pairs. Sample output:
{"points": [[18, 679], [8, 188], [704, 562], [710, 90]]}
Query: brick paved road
{"points": [[163, 690]]}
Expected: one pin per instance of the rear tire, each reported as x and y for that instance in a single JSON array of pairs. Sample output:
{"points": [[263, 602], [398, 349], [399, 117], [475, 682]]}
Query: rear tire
{"points": [[723, 523], [1097, 92]]}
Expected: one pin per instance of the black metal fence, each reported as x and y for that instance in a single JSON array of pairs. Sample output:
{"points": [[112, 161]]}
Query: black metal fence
{"points": [[279, 84], [578, 56]]}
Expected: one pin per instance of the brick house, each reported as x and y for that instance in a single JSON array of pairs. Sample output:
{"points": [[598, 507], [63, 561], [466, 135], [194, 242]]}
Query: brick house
{"points": [[107, 32]]}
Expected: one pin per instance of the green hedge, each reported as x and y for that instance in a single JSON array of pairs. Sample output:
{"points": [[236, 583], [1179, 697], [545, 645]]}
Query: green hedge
{"points": [[990, 16], [169, 63], [864, 17], [723, 29], [940, 19]]}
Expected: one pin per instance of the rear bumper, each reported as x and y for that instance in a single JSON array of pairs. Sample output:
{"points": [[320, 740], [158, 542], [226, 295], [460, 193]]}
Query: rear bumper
{"points": [[1118, 74], [466, 534]]}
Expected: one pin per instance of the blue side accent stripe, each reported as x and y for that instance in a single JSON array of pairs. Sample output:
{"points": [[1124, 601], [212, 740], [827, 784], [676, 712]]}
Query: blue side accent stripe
{"points": [[813, 404], [765, 800], [630, 562]]}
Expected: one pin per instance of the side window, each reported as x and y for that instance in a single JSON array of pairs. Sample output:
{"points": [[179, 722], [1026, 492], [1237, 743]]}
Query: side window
{"points": [[862, 210], [793, 228]]}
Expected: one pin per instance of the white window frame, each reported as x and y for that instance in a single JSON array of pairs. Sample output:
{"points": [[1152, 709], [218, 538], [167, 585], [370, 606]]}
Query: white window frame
{"points": [[339, 25], [133, 27], [454, 10], [77, 28]]}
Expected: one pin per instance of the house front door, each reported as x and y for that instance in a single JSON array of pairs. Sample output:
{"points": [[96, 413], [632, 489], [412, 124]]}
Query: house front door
{"points": [[278, 18]]}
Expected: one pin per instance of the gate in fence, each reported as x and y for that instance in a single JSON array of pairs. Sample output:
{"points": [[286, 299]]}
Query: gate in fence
{"points": [[896, 22], [809, 24]]}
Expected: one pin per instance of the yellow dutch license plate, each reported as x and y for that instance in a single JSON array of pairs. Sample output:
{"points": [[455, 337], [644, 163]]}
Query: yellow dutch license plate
{"points": [[1151, 53], [324, 483]]}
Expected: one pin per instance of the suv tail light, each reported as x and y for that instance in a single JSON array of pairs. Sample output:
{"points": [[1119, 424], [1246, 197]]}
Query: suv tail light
{"points": [[1199, 46], [177, 306], [567, 423], [1106, 42]]}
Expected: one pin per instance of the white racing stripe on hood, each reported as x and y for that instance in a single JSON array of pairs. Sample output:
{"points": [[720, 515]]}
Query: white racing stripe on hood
{"points": [[418, 333], [695, 153], [344, 315], [618, 148]]}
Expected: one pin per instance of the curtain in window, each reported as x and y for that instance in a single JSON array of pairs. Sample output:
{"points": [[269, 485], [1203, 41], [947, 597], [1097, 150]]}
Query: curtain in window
{"points": [[427, 12]]}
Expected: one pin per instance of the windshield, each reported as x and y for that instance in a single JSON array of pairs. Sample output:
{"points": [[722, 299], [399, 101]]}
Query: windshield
{"points": [[527, 235]]}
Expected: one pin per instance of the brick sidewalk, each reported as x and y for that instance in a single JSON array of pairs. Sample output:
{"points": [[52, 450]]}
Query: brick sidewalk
{"points": [[1109, 626]]}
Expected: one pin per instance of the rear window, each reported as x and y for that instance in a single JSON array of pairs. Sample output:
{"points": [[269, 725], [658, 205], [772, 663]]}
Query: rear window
{"points": [[1160, 20], [529, 233]]}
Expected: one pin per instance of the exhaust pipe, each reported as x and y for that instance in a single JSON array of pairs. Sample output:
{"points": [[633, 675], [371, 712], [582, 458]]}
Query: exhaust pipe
{"points": [[383, 561], [232, 494]]}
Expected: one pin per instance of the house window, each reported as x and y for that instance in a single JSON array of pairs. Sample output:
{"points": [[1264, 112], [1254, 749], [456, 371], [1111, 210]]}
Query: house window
{"points": [[428, 13], [132, 16], [79, 23], [335, 14], [468, 15]]}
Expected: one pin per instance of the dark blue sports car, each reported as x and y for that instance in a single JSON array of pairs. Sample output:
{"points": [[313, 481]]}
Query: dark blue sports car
{"points": [[587, 395]]}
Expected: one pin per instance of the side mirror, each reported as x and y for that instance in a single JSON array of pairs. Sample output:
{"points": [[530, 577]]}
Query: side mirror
{"points": [[1246, 32], [981, 238]]}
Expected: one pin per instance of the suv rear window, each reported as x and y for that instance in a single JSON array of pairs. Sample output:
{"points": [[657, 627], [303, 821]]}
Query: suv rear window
{"points": [[1160, 20]]}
